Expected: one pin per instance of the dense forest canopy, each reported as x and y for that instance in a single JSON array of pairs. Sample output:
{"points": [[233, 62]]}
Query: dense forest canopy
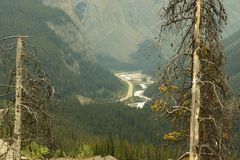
{"points": [[30, 18], [83, 45]]}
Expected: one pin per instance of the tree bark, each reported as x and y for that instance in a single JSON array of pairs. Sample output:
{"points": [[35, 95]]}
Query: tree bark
{"points": [[195, 108], [18, 102]]}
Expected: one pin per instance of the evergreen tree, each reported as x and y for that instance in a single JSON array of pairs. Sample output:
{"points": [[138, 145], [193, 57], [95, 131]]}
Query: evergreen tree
{"points": [[193, 84]]}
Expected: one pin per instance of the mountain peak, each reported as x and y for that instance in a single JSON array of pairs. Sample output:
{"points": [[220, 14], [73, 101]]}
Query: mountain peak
{"points": [[117, 27]]}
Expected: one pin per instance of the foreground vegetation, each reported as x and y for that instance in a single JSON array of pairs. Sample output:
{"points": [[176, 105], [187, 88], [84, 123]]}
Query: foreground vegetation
{"points": [[110, 129]]}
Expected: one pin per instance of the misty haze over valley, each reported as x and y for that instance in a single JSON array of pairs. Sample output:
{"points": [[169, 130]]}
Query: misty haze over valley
{"points": [[119, 79]]}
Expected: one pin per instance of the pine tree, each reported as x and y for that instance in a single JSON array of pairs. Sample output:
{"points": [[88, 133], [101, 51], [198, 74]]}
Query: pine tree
{"points": [[193, 84]]}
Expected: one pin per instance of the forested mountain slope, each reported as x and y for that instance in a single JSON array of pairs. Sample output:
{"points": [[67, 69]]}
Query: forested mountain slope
{"points": [[148, 57], [72, 70], [116, 28], [95, 124], [232, 51]]}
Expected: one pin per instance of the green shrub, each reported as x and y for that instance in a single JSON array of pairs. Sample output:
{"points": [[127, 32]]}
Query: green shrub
{"points": [[35, 151]]}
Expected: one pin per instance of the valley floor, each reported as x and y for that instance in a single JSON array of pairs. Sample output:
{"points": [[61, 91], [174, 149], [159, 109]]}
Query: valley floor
{"points": [[137, 84], [130, 87]]}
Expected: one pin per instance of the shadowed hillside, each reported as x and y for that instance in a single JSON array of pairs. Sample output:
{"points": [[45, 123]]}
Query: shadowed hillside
{"points": [[71, 70], [232, 51]]}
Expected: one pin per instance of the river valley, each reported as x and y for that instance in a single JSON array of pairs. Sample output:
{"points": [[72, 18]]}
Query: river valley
{"points": [[137, 84]]}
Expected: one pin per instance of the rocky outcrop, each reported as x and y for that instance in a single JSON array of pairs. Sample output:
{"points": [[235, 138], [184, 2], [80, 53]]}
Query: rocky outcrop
{"points": [[92, 158], [101, 158], [6, 152], [84, 100], [70, 31]]}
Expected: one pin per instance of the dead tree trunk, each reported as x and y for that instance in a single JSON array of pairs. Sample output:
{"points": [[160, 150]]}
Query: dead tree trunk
{"points": [[195, 108], [18, 102], [33, 94], [199, 59]]}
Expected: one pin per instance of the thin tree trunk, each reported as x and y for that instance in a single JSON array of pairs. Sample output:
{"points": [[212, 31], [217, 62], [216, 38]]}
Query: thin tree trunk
{"points": [[18, 103], [195, 108]]}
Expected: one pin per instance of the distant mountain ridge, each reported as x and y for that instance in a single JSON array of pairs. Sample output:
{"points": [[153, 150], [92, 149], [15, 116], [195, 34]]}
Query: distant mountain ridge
{"points": [[116, 28], [232, 52]]}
